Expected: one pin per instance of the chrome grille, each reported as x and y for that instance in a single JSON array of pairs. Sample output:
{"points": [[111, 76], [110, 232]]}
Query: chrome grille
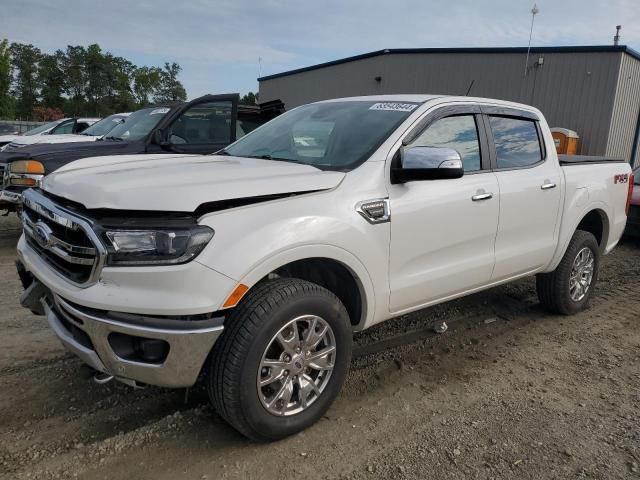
{"points": [[65, 241]]}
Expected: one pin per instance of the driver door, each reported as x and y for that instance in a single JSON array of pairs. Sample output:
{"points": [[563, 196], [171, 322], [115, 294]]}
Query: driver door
{"points": [[204, 125], [443, 231]]}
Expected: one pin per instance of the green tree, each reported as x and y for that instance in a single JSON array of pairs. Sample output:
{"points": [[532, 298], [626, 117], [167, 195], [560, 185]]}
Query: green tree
{"points": [[248, 99], [73, 66], [171, 89], [6, 99], [95, 65], [52, 79], [25, 82], [146, 81], [118, 73]]}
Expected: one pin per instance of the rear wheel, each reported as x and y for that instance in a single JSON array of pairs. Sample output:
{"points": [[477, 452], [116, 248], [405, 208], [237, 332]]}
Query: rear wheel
{"points": [[568, 289], [282, 359]]}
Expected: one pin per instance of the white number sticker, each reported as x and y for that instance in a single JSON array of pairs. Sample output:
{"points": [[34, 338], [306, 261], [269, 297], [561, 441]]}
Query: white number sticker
{"points": [[394, 107], [159, 111]]}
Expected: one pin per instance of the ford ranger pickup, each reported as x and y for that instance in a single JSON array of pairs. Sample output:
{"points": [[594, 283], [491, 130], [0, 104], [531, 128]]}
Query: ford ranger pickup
{"points": [[251, 269]]}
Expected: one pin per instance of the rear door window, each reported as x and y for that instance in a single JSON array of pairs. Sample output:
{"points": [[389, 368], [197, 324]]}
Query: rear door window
{"points": [[516, 140]]}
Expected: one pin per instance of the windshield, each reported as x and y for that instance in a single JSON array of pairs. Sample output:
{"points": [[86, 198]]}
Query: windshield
{"points": [[104, 126], [43, 128], [330, 136], [139, 124]]}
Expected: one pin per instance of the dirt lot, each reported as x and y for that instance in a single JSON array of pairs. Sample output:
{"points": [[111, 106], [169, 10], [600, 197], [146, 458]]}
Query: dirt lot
{"points": [[506, 392]]}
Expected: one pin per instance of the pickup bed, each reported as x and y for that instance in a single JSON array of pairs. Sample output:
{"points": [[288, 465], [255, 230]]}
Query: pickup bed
{"points": [[251, 269]]}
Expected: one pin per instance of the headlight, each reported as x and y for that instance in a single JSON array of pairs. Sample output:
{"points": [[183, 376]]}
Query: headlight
{"points": [[27, 166], [156, 247], [25, 173]]}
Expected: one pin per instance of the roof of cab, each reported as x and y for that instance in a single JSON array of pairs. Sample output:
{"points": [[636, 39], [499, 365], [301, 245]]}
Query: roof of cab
{"points": [[386, 98]]}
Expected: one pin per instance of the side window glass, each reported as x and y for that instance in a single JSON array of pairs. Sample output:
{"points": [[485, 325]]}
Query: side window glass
{"points": [[516, 140], [203, 124], [459, 133], [80, 127], [245, 126], [63, 128]]}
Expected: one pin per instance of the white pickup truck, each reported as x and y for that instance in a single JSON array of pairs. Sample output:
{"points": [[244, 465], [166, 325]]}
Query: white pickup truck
{"points": [[252, 268]]}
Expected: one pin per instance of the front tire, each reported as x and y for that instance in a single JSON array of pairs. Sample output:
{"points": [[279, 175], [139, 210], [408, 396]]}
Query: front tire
{"points": [[281, 360], [568, 289]]}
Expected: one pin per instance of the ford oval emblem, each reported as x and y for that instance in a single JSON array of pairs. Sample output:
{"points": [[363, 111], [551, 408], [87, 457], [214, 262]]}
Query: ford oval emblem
{"points": [[42, 234]]}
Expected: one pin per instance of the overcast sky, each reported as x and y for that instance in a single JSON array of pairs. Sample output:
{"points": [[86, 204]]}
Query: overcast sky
{"points": [[218, 43]]}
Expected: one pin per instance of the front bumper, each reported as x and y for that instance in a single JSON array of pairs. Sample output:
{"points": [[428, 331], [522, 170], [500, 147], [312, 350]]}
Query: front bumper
{"points": [[87, 319], [91, 338]]}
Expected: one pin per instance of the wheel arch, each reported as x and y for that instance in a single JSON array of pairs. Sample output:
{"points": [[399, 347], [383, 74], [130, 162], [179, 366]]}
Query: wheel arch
{"points": [[594, 220], [331, 267]]}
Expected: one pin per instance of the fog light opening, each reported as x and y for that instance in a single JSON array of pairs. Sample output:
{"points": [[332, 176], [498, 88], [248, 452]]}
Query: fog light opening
{"points": [[139, 349]]}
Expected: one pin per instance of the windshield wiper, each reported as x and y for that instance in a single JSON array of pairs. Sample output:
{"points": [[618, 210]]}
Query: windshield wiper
{"points": [[279, 159], [114, 138], [222, 152]]}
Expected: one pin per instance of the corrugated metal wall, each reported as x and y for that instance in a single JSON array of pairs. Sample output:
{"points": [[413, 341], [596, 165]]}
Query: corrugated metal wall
{"points": [[624, 121], [575, 90]]}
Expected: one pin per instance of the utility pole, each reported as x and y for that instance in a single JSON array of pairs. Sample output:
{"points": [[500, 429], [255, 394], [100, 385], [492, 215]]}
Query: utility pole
{"points": [[616, 38], [534, 12]]}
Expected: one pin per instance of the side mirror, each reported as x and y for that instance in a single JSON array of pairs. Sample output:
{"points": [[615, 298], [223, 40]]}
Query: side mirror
{"points": [[427, 163]]}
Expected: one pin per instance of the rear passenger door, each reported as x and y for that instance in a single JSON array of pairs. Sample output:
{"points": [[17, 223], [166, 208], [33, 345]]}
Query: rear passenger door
{"points": [[530, 191]]}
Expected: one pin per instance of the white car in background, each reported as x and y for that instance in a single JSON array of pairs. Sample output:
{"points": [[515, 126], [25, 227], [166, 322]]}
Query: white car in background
{"points": [[56, 127], [97, 130]]}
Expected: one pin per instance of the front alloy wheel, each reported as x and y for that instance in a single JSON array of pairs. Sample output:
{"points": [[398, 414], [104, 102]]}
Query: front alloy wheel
{"points": [[281, 360], [296, 365]]}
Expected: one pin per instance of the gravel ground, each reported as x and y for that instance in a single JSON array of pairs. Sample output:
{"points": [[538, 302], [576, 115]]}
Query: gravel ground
{"points": [[506, 392]]}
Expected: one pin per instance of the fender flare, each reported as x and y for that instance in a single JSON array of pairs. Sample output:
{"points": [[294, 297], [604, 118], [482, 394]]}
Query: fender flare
{"points": [[563, 244], [331, 252]]}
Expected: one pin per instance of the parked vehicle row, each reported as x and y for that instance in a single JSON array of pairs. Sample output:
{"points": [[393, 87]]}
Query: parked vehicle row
{"points": [[204, 125], [92, 133], [56, 127], [252, 268]]}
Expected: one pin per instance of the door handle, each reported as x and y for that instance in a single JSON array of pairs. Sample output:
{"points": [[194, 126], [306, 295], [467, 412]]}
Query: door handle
{"points": [[482, 196], [548, 186]]}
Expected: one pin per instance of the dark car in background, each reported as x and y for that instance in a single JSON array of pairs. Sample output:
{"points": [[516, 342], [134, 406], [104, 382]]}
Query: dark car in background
{"points": [[633, 217], [204, 125]]}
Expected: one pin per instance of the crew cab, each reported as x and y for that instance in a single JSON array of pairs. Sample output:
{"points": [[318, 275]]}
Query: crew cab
{"points": [[251, 269], [203, 125], [90, 134]]}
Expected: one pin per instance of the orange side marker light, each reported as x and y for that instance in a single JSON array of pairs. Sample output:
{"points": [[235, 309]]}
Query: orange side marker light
{"points": [[237, 294]]}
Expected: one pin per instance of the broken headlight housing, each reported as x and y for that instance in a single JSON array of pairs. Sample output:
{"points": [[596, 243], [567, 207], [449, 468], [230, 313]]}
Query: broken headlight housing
{"points": [[156, 246]]}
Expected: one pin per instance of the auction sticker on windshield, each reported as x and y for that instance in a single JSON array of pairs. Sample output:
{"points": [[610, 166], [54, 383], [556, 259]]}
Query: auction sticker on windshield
{"points": [[393, 106], [159, 110]]}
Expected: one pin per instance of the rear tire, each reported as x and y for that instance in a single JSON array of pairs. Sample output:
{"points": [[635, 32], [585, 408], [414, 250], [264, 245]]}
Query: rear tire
{"points": [[568, 289], [272, 326]]}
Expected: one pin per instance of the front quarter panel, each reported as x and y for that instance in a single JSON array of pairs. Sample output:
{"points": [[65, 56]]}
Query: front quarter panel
{"points": [[251, 242]]}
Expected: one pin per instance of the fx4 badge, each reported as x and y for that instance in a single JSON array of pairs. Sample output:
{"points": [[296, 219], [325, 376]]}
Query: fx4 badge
{"points": [[621, 178]]}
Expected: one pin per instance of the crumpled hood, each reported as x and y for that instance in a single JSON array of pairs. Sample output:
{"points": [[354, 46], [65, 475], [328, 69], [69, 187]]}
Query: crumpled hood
{"points": [[180, 183]]}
